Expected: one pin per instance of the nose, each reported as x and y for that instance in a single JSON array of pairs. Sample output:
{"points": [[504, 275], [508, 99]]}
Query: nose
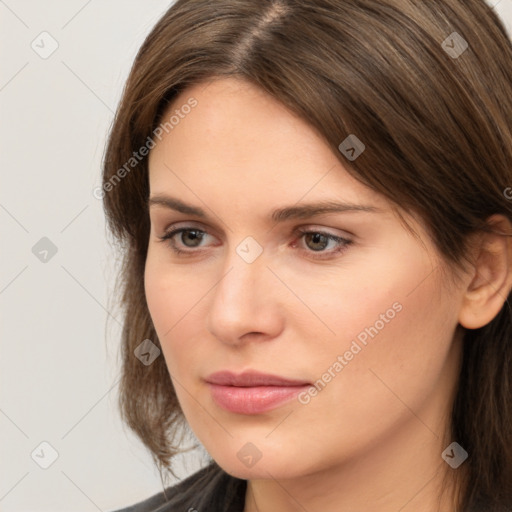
{"points": [[244, 304]]}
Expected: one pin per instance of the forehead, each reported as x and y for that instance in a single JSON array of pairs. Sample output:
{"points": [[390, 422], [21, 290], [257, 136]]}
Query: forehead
{"points": [[237, 122], [238, 135]]}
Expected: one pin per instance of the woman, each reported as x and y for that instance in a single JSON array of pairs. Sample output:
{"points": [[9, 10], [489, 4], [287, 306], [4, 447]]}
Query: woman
{"points": [[314, 207]]}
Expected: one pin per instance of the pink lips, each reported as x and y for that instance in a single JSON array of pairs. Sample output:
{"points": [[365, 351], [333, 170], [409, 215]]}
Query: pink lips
{"points": [[252, 392]]}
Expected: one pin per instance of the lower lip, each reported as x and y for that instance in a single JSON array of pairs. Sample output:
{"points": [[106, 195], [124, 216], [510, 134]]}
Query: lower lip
{"points": [[253, 400]]}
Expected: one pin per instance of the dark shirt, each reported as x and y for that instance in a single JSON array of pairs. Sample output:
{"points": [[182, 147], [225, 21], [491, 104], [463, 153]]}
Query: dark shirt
{"points": [[210, 489]]}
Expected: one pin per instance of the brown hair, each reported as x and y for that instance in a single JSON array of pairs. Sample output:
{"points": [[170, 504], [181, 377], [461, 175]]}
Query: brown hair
{"points": [[437, 130]]}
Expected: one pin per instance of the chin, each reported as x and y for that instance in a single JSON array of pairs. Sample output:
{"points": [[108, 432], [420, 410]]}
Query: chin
{"points": [[266, 467]]}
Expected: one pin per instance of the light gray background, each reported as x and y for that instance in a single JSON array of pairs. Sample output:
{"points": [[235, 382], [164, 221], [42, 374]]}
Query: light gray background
{"points": [[59, 357]]}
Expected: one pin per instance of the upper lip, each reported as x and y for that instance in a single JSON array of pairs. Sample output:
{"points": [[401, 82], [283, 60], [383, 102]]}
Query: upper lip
{"points": [[251, 378]]}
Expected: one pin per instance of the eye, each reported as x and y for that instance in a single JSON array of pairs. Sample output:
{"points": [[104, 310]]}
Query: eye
{"points": [[319, 240], [316, 241], [194, 235]]}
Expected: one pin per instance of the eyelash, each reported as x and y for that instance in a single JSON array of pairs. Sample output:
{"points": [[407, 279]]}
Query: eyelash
{"points": [[340, 240]]}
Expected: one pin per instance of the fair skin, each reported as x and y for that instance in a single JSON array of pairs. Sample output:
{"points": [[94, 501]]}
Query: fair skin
{"points": [[372, 438]]}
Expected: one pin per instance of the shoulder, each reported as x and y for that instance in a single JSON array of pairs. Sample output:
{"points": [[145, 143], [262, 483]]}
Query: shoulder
{"points": [[210, 488]]}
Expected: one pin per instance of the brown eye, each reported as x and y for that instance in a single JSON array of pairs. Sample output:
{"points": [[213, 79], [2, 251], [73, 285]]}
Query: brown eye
{"points": [[193, 235], [318, 241], [190, 238]]}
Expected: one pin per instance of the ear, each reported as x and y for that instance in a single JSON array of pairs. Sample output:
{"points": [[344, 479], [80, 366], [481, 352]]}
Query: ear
{"points": [[491, 277]]}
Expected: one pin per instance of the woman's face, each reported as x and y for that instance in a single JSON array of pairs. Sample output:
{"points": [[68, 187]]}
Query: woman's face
{"points": [[362, 321]]}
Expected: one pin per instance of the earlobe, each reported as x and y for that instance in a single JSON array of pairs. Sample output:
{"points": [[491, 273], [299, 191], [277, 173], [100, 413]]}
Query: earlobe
{"points": [[491, 279]]}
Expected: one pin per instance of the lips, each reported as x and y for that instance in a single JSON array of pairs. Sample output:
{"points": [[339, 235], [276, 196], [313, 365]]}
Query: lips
{"points": [[251, 378], [252, 392]]}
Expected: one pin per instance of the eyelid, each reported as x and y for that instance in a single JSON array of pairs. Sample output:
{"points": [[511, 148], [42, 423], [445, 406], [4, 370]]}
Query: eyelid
{"points": [[211, 231], [299, 229]]}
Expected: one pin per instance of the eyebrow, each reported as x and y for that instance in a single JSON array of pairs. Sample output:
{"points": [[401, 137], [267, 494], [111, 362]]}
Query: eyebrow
{"points": [[279, 215]]}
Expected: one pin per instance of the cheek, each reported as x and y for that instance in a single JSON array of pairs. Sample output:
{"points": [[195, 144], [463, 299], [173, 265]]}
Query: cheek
{"points": [[372, 296], [399, 366], [393, 324], [399, 376], [170, 299]]}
